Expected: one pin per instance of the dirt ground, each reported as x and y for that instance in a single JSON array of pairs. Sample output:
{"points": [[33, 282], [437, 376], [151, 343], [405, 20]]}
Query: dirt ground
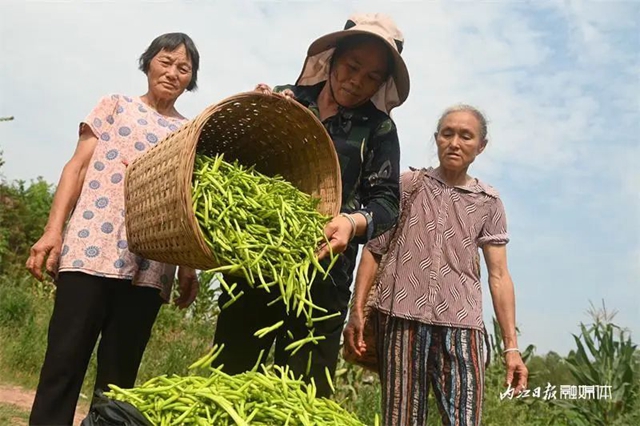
{"points": [[23, 399]]}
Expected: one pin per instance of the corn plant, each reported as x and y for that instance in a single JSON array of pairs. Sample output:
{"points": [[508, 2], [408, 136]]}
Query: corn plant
{"points": [[604, 356]]}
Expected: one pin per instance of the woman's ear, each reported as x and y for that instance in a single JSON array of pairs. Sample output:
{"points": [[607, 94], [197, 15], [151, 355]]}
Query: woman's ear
{"points": [[483, 145]]}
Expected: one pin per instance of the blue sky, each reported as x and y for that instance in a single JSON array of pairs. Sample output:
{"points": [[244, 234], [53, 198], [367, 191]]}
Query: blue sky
{"points": [[559, 82]]}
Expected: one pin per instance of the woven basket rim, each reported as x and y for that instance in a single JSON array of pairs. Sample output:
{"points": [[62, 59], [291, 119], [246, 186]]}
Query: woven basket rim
{"points": [[243, 96]]}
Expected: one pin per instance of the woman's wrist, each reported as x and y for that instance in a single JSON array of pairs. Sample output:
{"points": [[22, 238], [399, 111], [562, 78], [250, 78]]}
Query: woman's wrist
{"points": [[509, 350], [53, 228], [360, 221], [354, 225]]}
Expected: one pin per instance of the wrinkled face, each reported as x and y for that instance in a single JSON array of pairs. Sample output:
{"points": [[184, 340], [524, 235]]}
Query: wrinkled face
{"points": [[459, 141], [169, 73], [358, 73]]}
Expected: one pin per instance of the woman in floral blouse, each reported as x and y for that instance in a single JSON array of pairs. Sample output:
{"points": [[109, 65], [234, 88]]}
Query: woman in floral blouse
{"points": [[102, 288]]}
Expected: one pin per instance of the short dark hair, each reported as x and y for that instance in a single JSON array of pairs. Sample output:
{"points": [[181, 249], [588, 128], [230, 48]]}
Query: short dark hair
{"points": [[348, 43], [170, 42]]}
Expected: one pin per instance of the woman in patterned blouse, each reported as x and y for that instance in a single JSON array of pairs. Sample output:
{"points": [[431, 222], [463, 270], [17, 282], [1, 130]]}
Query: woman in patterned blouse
{"points": [[428, 292], [102, 288]]}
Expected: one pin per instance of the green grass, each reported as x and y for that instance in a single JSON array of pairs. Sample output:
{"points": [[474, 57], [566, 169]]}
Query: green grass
{"points": [[12, 415], [24, 317]]}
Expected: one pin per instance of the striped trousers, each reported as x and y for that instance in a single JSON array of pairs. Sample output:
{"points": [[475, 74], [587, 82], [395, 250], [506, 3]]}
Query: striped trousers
{"points": [[416, 357]]}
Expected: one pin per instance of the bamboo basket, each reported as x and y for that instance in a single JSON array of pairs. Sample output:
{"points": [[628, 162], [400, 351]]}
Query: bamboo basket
{"points": [[277, 135]]}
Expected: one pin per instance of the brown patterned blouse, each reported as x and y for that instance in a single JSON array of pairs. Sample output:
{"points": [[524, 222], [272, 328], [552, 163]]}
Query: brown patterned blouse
{"points": [[433, 274]]}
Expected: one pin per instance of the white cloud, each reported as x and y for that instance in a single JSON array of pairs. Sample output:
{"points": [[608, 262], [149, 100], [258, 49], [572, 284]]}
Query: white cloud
{"points": [[591, 24]]}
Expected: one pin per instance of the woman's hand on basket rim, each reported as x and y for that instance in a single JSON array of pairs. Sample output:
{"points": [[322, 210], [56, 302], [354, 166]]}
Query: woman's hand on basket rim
{"points": [[267, 90], [188, 286]]}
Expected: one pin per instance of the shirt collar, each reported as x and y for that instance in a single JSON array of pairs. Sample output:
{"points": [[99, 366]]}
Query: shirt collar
{"points": [[476, 186], [308, 96]]}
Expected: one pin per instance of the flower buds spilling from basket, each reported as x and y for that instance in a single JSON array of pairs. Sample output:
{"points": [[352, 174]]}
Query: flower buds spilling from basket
{"points": [[262, 228], [272, 396]]}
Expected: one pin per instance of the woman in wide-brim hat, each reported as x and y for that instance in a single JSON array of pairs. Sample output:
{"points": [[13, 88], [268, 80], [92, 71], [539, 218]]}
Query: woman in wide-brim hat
{"points": [[351, 80]]}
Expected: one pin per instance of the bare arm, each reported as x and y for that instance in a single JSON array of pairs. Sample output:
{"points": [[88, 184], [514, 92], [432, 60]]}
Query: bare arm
{"points": [[71, 181], [365, 277], [65, 198], [503, 298], [502, 292]]}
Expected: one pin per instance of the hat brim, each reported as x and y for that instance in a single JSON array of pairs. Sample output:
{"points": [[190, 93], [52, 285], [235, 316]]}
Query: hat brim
{"points": [[400, 73]]}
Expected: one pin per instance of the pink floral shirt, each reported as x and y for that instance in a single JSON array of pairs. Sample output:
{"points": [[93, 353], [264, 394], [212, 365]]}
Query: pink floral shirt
{"points": [[95, 237]]}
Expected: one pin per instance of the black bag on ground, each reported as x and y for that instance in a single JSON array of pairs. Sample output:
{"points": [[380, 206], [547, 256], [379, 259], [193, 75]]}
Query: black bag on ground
{"points": [[109, 412]]}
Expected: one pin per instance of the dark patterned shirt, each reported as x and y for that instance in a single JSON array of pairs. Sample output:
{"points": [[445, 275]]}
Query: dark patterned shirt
{"points": [[433, 272], [366, 141]]}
